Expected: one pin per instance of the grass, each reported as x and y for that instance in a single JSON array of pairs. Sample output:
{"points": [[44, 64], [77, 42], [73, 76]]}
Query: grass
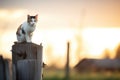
{"points": [[60, 75]]}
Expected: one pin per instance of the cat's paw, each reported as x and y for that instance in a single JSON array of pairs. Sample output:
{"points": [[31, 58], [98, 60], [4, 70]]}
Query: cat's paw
{"points": [[17, 42], [29, 41], [20, 42]]}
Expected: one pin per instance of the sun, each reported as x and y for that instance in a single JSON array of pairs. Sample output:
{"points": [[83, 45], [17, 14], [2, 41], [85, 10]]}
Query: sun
{"points": [[57, 37], [56, 40]]}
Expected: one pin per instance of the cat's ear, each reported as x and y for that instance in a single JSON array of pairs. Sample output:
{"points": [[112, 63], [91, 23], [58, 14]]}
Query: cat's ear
{"points": [[36, 17]]}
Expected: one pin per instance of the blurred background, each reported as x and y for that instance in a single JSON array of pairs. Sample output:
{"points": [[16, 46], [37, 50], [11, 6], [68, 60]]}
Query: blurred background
{"points": [[92, 28]]}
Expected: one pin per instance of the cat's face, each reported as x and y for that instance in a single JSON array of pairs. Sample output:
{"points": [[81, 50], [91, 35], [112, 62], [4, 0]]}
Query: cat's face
{"points": [[32, 20]]}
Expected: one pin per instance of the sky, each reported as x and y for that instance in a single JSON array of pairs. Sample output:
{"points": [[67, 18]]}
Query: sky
{"points": [[84, 23], [95, 12]]}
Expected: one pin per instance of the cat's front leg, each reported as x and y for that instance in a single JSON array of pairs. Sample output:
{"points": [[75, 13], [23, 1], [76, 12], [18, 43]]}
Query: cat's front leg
{"points": [[28, 39], [30, 35]]}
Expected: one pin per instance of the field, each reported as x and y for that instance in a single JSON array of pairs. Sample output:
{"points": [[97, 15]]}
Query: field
{"points": [[60, 75]]}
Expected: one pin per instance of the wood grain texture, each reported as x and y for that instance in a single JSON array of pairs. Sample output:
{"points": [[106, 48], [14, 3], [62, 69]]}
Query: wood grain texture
{"points": [[27, 61]]}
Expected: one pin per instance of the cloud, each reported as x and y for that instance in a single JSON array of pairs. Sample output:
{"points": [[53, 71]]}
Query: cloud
{"points": [[96, 12], [19, 3], [29, 3]]}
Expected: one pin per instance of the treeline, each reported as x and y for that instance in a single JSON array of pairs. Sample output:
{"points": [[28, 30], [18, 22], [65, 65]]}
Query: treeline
{"points": [[107, 52]]}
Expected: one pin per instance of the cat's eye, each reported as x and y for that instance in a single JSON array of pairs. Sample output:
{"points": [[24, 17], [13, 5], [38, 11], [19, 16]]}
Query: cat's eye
{"points": [[32, 20]]}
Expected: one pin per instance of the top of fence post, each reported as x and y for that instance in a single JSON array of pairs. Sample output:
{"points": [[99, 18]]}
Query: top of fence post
{"points": [[28, 51]]}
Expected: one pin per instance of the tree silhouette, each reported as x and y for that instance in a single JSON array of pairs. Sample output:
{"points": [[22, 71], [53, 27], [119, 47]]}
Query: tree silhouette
{"points": [[107, 53], [79, 46], [118, 52]]}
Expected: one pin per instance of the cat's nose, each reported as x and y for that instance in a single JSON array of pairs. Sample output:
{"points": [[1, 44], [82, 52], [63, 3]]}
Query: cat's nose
{"points": [[33, 24]]}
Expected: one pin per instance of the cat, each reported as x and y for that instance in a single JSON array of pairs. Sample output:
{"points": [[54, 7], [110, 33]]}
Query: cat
{"points": [[25, 30]]}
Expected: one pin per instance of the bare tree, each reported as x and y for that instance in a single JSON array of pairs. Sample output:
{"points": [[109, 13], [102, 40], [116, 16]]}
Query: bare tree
{"points": [[107, 53], [118, 52]]}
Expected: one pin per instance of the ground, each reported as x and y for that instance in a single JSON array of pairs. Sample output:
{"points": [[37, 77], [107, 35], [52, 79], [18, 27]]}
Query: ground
{"points": [[59, 75]]}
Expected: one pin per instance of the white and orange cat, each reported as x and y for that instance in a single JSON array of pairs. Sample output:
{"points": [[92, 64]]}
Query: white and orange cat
{"points": [[25, 30]]}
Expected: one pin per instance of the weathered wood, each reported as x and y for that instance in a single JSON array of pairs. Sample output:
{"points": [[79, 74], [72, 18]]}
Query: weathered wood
{"points": [[2, 69], [27, 61], [27, 69], [7, 63], [13, 72], [39, 63]]}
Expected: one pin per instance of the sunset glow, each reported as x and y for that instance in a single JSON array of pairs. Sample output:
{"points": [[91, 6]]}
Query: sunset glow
{"points": [[89, 28], [99, 39]]}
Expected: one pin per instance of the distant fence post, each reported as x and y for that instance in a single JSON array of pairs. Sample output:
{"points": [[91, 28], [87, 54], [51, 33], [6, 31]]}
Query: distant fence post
{"points": [[67, 68], [27, 61]]}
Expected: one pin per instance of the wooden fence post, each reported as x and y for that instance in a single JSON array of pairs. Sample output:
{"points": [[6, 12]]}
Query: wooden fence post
{"points": [[38, 75], [2, 69], [27, 61], [7, 63]]}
